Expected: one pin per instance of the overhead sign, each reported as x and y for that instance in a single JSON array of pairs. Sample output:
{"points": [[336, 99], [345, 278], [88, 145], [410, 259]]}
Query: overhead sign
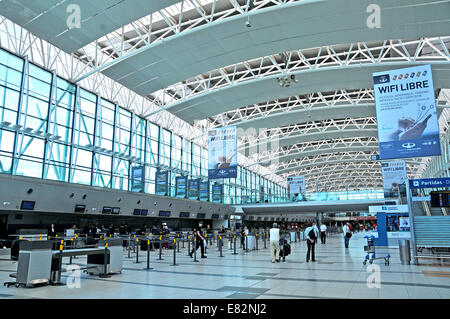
{"points": [[217, 193], [296, 186], [204, 191], [389, 209], [222, 153], [406, 113], [194, 189], [430, 182], [161, 182], [138, 179], [181, 186], [394, 178]]}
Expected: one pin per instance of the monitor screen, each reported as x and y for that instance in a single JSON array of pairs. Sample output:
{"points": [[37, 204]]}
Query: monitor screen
{"points": [[184, 214], [164, 213], [106, 210], [27, 205], [440, 199], [80, 208], [116, 210], [201, 215], [137, 212], [215, 216], [144, 212]]}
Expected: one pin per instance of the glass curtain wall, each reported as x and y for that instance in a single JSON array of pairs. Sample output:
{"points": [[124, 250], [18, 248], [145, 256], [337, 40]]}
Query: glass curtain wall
{"points": [[53, 129]]}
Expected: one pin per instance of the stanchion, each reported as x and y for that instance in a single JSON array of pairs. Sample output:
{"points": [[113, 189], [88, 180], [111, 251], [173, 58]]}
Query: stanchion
{"points": [[129, 246], [246, 243], [234, 251], [206, 241], [148, 256], [195, 249], [220, 245], [134, 244], [137, 250], [178, 245], [189, 245], [174, 253], [265, 246], [183, 242], [160, 248], [256, 238]]}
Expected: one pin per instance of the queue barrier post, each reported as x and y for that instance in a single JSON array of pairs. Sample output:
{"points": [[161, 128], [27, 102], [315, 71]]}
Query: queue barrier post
{"points": [[234, 251], [137, 251], [148, 255], [174, 253], [220, 245], [160, 248], [194, 244]]}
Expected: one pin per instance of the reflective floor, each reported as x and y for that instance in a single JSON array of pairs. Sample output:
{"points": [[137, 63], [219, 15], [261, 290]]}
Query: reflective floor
{"points": [[337, 273]]}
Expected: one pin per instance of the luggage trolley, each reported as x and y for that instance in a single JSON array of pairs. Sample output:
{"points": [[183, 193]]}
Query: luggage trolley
{"points": [[370, 249]]}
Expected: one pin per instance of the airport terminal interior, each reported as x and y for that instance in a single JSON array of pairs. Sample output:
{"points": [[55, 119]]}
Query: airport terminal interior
{"points": [[224, 149]]}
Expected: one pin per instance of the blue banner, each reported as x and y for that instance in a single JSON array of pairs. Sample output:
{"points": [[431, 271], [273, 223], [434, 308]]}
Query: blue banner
{"points": [[204, 191], [161, 182], [217, 193], [194, 189], [406, 113], [181, 186], [222, 153], [137, 179], [430, 182]]}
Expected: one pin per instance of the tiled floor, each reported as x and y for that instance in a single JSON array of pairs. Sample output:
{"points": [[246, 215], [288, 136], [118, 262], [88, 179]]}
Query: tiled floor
{"points": [[338, 273]]}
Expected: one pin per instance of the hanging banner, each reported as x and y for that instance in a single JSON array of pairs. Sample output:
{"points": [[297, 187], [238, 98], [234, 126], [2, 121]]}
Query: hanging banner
{"points": [[296, 186], [204, 191], [217, 193], [181, 186], [394, 178], [161, 182], [194, 189], [222, 153], [406, 113], [138, 179]]}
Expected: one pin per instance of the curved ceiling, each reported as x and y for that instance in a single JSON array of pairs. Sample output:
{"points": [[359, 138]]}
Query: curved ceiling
{"points": [[297, 25], [254, 91], [220, 67], [47, 19]]}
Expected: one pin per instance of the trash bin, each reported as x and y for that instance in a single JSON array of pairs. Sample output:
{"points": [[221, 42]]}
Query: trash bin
{"points": [[405, 251]]}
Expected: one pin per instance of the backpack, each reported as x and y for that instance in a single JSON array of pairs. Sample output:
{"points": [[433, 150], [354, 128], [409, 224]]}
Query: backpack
{"points": [[312, 234]]}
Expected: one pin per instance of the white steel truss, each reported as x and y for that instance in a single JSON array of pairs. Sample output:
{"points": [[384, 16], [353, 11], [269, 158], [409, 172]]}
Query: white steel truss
{"points": [[310, 60], [172, 21]]}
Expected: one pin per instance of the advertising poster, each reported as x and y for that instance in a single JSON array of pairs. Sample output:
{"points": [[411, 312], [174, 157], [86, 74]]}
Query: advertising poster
{"points": [[296, 186], [222, 153], [194, 189], [217, 193], [403, 223], [204, 191], [181, 186], [137, 179], [162, 181], [406, 113], [394, 178]]}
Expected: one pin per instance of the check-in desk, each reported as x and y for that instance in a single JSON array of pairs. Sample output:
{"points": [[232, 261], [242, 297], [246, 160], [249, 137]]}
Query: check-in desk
{"points": [[114, 258], [35, 258]]}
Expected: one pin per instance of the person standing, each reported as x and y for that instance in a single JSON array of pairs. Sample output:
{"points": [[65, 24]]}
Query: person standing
{"points": [[275, 243], [52, 231], [347, 234], [197, 233], [311, 234], [323, 233]]}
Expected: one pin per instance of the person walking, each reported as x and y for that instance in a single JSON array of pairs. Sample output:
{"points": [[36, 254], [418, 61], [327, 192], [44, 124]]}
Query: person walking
{"points": [[347, 234], [275, 243], [323, 233], [311, 234], [197, 233]]}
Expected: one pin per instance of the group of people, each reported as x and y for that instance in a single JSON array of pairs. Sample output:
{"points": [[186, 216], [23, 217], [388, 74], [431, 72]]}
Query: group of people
{"points": [[312, 234]]}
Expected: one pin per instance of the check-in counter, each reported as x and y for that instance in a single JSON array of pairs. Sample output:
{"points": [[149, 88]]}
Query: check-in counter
{"points": [[96, 262], [35, 258]]}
